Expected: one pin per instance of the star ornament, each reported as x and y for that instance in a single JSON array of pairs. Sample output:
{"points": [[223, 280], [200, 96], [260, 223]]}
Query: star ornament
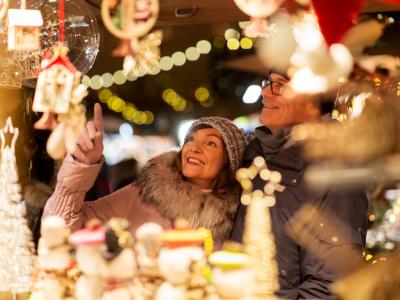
{"points": [[272, 182]]}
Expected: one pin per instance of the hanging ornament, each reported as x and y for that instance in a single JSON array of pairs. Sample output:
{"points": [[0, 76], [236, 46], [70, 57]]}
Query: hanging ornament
{"points": [[81, 32], [316, 68], [146, 56], [336, 17], [129, 20], [258, 10], [24, 28], [58, 95]]}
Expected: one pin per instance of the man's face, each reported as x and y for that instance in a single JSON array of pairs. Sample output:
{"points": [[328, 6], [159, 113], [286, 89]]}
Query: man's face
{"points": [[278, 111]]}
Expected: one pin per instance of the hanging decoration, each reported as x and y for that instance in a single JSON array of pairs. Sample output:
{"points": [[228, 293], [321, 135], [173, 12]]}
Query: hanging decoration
{"points": [[58, 95], [129, 20], [81, 32], [16, 246], [335, 18], [258, 10], [24, 28], [317, 68], [258, 237]]}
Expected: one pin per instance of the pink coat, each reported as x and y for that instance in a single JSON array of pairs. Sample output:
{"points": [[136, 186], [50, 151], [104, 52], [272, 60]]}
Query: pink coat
{"points": [[159, 195], [75, 179]]}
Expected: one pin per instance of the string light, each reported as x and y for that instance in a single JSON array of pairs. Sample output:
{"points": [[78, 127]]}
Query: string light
{"points": [[201, 94], [192, 54], [178, 58], [233, 44], [231, 33], [173, 99], [119, 77], [128, 110]]}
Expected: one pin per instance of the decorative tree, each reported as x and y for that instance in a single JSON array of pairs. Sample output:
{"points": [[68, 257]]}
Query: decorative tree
{"points": [[258, 237], [16, 246]]}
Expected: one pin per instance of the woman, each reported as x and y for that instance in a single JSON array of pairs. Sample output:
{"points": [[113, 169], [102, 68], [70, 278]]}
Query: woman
{"points": [[197, 183]]}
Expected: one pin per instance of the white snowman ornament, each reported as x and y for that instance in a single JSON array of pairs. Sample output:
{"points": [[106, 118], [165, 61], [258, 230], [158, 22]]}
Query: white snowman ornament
{"points": [[231, 275], [119, 268], [53, 261], [148, 246], [88, 243], [180, 263]]}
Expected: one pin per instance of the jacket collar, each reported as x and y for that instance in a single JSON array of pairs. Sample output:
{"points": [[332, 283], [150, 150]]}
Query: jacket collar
{"points": [[288, 156]]}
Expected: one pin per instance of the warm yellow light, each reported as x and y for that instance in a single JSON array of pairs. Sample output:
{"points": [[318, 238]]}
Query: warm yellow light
{"points": [[192, 54], [244, 24], [203, 46], [246, 43], [96, 82], [131, 76], [202, 94], [86, 80], [119, 77], [231, 34], [179, 58], [233, 44], [166, 63], [108, 80], [104, 94], [155, 70], [150, 117], [176, 101], [181, 106], [117, 104], [169, 95], [129, 111]]}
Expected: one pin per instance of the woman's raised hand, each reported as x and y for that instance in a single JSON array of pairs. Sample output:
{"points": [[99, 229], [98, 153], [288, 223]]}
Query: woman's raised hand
{"points": [[89, 148]]}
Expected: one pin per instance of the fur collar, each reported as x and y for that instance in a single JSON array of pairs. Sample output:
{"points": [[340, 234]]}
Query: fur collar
{"points": [[164, 188]]}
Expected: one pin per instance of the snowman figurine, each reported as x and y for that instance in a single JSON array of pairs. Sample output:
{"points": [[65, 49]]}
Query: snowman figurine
{"points": [[119, 266], [231, 275], [181, 263], [88, 243], [148, 246], [53, 262]]}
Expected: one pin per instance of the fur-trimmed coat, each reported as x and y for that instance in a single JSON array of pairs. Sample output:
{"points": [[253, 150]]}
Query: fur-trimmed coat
{"points": [[159, 195]]}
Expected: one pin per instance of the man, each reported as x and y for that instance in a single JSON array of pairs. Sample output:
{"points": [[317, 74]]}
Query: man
{"points": [[309, 260]]}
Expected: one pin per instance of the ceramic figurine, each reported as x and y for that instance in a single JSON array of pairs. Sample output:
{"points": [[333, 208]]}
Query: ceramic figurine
{"points": [[231, 275], [148, 246], [53, 262], [88, 243], [119, 267], [182, 263]]}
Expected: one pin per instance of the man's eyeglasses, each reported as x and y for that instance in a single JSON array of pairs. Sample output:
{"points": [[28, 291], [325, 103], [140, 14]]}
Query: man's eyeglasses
{"points": [[275, 86]]}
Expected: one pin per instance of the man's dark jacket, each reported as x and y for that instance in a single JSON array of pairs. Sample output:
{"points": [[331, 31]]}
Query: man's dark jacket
{"points": [[337, 231]]}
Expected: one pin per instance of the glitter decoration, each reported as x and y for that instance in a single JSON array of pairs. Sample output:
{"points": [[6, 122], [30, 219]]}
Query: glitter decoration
{"points": [[258, 237], [16, 246]]}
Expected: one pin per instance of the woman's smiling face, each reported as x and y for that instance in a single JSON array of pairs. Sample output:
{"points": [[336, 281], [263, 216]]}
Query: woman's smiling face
{"points": [[203, 157]]}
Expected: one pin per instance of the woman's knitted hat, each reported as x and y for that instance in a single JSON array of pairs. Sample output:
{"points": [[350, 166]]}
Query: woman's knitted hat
{"points": [[233, 137]]}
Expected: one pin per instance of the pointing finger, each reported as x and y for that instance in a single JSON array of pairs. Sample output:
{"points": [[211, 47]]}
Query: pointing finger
{"points": [[98, 118]]}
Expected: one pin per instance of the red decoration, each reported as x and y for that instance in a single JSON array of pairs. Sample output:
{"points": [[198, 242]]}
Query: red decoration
{"points": [[335, 17]]}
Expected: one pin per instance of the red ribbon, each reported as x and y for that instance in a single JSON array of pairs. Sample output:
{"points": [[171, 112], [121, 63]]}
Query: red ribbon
{"points": [[61, 21]]}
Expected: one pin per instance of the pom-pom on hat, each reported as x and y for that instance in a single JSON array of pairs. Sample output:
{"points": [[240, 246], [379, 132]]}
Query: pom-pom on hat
{"points": [[233, 137]]}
